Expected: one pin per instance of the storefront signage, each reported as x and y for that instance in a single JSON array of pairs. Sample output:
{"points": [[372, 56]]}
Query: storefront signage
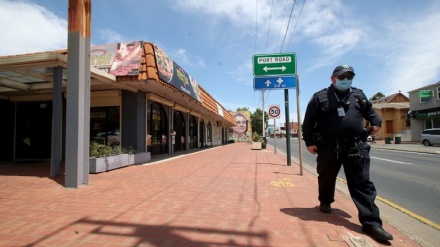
{"points": [[425, 93], [172, 73], [121, 59], [433, 112]]}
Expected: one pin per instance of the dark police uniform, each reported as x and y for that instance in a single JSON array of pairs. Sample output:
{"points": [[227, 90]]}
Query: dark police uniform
{"points": [[334, 123]]}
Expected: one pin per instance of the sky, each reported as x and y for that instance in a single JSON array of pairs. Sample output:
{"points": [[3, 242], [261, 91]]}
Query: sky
{"points": [[393, 45]]}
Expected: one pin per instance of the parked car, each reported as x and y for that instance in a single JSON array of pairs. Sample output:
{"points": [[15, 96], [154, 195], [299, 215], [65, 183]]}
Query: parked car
{"points": [[430, 137]]}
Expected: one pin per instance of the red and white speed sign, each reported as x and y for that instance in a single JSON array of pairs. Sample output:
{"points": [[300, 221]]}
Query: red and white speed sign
{"points": [[274, 111]]}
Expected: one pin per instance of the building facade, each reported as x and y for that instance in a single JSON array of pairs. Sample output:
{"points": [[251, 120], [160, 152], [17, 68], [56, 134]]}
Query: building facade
{"points": [[424, 109], [393, 110], [139, 98]]}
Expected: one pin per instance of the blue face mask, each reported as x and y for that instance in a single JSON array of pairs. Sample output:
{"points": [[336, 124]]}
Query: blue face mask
{"points": [[342, 85]]}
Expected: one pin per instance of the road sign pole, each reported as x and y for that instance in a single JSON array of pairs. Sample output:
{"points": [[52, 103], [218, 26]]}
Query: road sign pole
{"points": [[286, 99], [299, 128], [275, 136]]}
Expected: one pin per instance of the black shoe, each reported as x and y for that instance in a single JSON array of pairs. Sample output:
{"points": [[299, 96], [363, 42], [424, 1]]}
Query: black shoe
{"points": [[325, 208], [377, 233]]}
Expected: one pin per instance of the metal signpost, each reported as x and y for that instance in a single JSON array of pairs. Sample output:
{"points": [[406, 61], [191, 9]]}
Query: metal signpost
{"points": [[277, 71], [274, 113]]}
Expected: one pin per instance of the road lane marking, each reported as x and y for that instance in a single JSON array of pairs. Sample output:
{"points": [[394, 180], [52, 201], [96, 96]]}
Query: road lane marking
{"points": [[394, 161]]}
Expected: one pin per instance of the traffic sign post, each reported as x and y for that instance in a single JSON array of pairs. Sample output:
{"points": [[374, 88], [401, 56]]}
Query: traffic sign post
{"points": [[274, 64], [274, 111], [276, 71]]}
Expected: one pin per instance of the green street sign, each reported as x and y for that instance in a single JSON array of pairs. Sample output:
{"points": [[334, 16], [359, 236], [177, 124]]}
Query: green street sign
{"points": [[425, 93], [274, 64]]}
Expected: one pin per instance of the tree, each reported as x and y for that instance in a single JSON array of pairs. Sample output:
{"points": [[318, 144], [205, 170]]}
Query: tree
{"points": [[257, 120], [377, 96], [242, 109]]}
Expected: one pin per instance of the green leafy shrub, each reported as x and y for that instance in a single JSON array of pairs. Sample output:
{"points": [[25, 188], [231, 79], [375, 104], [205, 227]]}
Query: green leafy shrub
{"points": [[257, 138], [98, 150]]}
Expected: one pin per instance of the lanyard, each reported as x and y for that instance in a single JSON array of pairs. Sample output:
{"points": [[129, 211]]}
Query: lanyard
{"points": [[339, 100]]}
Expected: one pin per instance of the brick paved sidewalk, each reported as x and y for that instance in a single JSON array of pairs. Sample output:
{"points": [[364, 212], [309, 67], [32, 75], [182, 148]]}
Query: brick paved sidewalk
{"points": [[224, 196]]}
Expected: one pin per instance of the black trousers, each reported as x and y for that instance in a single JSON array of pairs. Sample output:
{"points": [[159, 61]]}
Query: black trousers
{"points": [[362, 190]]}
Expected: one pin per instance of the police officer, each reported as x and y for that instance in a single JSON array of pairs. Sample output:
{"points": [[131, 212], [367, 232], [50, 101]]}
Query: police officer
{"points": [[333, 128]]}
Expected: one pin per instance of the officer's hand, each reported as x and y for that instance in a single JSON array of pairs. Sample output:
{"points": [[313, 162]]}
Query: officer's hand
{"points": [[312, 149], [374, 129]]}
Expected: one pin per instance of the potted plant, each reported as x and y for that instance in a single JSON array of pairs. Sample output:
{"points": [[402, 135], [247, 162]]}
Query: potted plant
{"points": [[257, 141]]}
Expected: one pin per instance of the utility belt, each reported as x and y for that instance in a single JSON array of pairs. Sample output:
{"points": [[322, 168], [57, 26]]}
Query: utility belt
{"points": [[319, 139], [353, 154]]}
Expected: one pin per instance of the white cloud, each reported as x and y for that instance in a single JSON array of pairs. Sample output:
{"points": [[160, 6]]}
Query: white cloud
{"points": [[110, 36], [410, 48], [28, 28], [186, 59]]}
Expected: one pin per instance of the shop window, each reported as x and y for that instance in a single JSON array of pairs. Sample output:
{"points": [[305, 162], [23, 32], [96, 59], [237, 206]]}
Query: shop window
{"points": [[436, 122], [179, 128], [202, 133], [209, 132], [157, 131], [192, 132], [33, 130], [428, 124], [105, 125]]}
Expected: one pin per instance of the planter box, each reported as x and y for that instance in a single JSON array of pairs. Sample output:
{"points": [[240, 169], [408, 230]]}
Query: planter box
{"points": [[141, 158], [97, 165], [256, 145], [104, 164]]}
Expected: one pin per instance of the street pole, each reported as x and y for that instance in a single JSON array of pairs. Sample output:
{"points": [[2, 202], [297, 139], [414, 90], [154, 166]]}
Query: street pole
{"points": [[286, 100], [299, 127], [275, 136], [264, 129]]}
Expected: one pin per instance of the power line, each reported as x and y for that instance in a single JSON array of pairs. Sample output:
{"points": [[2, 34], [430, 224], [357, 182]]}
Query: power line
{"points": [[288, 24], [256, 24], [268, 29], [284, 13], [297, 19]]}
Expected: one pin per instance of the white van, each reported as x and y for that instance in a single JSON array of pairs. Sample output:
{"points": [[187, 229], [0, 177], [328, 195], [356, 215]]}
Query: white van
{"points": [[430, 137]]}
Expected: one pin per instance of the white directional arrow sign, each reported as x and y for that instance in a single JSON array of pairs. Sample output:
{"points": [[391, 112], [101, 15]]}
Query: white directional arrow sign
{"points": [[274, 64], [282, 68], [268, 83]]}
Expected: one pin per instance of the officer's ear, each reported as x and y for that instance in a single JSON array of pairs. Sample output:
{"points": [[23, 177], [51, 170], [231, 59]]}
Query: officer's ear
{"points": [[333, 78]]}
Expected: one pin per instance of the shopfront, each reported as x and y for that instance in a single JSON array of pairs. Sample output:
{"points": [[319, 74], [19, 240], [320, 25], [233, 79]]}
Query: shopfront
{"points": [[179, 142], [105, 125], [193, 132], [202, 134], [157, 129], [33, 127], [142, 100]]}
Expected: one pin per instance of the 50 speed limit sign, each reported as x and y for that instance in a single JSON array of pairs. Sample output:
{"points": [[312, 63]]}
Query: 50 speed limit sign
{"points": [[274, 111]]}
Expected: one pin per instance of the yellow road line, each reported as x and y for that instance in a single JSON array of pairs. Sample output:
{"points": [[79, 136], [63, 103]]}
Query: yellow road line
{"points": [[404, 210]]}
